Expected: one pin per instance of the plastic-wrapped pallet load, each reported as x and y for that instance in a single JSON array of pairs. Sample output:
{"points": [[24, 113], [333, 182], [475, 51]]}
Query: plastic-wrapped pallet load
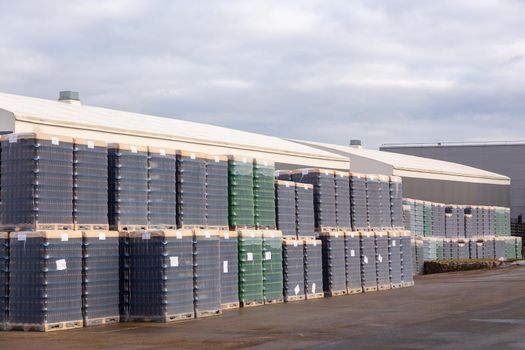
{"points": [[489, 248], [240, 192], [427, 219], [519, 248], [272, 263], [100, 277], [382, 268], [451, 221], [285, 207], [191, 189], [407, 217], [353, 262], [430, 249], [293, 270], [480, 245], [419, 218], [324, 194], [479, 221], [460, 214], [250, 268], [473, 250], [485, 221], [285, 175], [439, 248], [492, 221], [206, 273], [90, 184], [373, 201], [45, 280], [229, 270], [313, 269], [419, 248], [162, 188], [385, 214], [470, 222], [342, 199], [394, 259], [217, 191], [463, 249], [127, 186], [304, 210], [500, 229], [37, 181], [407, 258], [510, 248], [438, 220], [124, 275], [334, 271], [368, 261], [161, 275], [447, 248], [4, 281], [358, 211], [499, 247], [396, 202], [454, 254], [263, 194]]}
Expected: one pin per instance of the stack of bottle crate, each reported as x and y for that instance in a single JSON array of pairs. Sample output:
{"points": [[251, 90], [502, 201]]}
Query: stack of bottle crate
{"points": [[206, 273], [385, 210], [250, 267], [304, 210], [4, 279], [285, 207], [395, 259], [240, 192], [162, 188], [272, 264], [407, 258], [427, 219], [217, 192], [264, 194], [229, 269], [313, 270], [373, 201], [353, 262], [191, 189], [368, 261], [342, 200], [358, 202], [396, 202], [382, 263], [293, 270]]}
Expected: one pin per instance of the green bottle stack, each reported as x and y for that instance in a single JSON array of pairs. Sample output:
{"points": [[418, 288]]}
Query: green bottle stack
{"points": [[272, 266], [519, 247], [501, 226], [240, 192], [510, 248], [250, 267], [264, 194], [427, 220]]}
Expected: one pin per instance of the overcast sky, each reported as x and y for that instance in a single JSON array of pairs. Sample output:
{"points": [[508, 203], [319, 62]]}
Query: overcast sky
{"points": [[380, 71]]}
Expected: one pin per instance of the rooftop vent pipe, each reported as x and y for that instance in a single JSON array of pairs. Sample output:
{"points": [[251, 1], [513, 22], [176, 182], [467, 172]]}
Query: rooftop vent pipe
{"points": [[70, 97]]}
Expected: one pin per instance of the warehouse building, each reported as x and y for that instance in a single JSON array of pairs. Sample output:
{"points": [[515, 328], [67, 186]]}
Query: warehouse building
{"points": [[507, 158], [428, 179]]}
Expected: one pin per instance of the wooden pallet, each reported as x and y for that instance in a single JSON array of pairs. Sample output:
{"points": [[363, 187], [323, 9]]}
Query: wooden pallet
{"points": [[121, 228], [335, 293], [229, 306], [294, 298], [274, 301], [168, 318], [101, 321], [383, 286], [370, 289], [46, 327], [396, 285], [306, 237], [408, 284], [207, 313], [314, 296], [37, 227], [354, 290], [218, 228], [91, 227], [251, 303], [193, 227]]}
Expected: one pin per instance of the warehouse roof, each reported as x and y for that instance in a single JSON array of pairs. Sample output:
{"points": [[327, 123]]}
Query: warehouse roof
{"points": [[366, 160], [43, 112]]}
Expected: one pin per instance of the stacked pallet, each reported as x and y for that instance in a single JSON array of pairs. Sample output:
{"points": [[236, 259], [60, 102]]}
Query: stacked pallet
{"points": [[478, 215], [463, 249], [439, 248], [124, 275], [447, 248], [240, 192], [162, 188], [368, 261], [427, 219], [285, 207], [4, 278], [373, 201], [206, 273], [419, 255], [382, 263], [358, 210], [408, 218], [100, 277], [385, 210], [90, 184], [293, 271], [127, 187], [470, 222], [324, 195], [407, 258], [313, 269], [264, 194], [395, 259], [304, 210], [419, 228], [353, 262], [438, 220], [229, 269], [396, 203], [489, 250], [430, 249], [191, 189], [36, 182], [334, 271], [272, 265], [250, 268], [217, 192], [519, 247], [451, 222], [342, 200], [45, 280]]}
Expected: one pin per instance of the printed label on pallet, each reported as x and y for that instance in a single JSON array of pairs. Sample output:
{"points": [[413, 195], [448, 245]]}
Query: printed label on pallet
{"points": [[249, 256], [21, 236], [64, 237], [174, 261], [352, 252], [297, 289], [225, 266], [61, 264], [313, 287], [267, 255], [365, 259]]}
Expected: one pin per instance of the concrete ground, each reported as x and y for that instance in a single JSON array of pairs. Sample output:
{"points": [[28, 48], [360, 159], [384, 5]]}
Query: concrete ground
{"points": [[467, 310]]}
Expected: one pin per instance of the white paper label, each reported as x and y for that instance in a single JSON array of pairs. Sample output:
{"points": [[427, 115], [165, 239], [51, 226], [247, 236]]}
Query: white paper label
{"points": [[287, 184], [22, 236], [178, 235], [295, 243], [313, 287], [352, 252], [207, 234], [226, 235], [365, 259], [61, 264], [64, 237], [249, 256], [133, 149], [162, 152], [192, 155], [225, 266], [380, 258], [393, 243], [12, 138], [102, 236], [174, 261], [252, 234], [267, 255], [91, 144], [297, 289], [55, 141], [217, 159], [146, 235]]}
